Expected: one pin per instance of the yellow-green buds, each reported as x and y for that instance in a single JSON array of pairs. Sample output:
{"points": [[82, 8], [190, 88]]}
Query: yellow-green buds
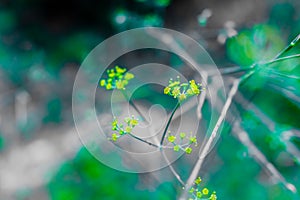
{"points": [[117, 79], [131, 122], [188, 150], [181, 143], [201, 193], [213, 196], [198, 180], [182, 91], [205, 191], [171, 138]]}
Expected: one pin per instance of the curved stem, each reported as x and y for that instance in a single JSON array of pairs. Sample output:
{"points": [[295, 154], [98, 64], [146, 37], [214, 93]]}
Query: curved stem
{"points": [[177, 176], [168, 124]]}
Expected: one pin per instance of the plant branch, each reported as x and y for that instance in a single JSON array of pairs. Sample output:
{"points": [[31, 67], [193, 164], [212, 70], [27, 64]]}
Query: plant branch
{"points": [[222, 116], [281, 59], [177, 176], [209, 142], [168, 124], [259, 156], [142, 140], [289, 47], [270, 124]]}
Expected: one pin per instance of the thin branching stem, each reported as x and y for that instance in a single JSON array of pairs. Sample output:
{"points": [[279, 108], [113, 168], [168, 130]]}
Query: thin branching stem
{"points": [[235, 69], [270, 124], [141, 114], [259, 156], [205, 150], [177, 176], [169, 164], [289, 47], [142, 140], [233, 91], [208, 144], [168, 124], [281, 59]]}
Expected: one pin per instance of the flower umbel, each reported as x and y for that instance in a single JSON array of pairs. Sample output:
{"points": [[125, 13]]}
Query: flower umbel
{"points": [[182, 144], [182, 91], [197, 192], [117, 78], [130, 123]]}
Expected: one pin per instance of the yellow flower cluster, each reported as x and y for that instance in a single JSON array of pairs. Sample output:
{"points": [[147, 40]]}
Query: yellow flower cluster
{"points": [[199, 193], [131, 122], [181, 91], [117, 78], [177, 147]]}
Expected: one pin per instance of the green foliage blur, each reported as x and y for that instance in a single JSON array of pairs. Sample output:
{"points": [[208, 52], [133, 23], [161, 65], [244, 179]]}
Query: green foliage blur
{"points": [[84, 178], [240, 176]]}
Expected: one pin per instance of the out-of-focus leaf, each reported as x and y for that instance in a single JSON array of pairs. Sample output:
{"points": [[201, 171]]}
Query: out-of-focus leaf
{"points": [[255, 45]]}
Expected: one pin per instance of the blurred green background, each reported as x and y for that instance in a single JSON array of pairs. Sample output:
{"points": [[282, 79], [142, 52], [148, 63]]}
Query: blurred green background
{"points": [[42, 44]]}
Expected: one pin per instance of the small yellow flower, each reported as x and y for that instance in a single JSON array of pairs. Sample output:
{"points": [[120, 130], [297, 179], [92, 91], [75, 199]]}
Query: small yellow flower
{"points": [[182, 135], [171, 138], [182, 97], [198, 180], [176, 148], [128, 129], [192, 190], [189, 92], [199, 194], [176, 92], [213, 196], [188, 150], [114, 137], [205, 191], [134, 122], [119, 85], [173, 84], [167, 90], [112, 74], [120, 70], [108, 86], [193, 139], [128, 76], [194, 87], [102, 83]]}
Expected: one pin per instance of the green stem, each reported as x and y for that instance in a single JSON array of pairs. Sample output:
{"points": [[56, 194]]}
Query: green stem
{"points": [[168, 124], [281, 59], [142, 140], [144, 118], [234, 69], [289, 47]]}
